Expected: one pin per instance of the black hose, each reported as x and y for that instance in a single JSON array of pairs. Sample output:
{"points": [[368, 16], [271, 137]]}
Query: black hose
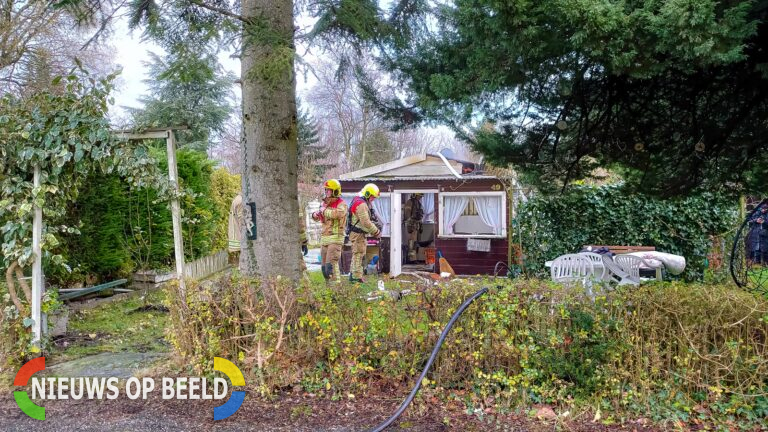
{"points": [[431, 360]]}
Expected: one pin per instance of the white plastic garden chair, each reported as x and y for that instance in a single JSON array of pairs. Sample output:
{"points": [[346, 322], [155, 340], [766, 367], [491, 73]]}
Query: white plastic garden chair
{"points": [[625, 269], [571, 268], [597, 264]]}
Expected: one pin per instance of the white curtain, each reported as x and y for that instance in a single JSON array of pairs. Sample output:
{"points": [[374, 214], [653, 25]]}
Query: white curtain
{"points": [[428, 204], [348, 198], [453, 207], [489, 210], [383, 206]]}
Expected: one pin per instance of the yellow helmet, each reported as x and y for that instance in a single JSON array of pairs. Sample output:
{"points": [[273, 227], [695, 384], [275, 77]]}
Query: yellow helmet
{"points": [[369, 190], [334, 186]]}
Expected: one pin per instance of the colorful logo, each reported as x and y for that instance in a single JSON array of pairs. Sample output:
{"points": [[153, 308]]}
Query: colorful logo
{"points": [[22, 398], [236, 399], [223, 365]]}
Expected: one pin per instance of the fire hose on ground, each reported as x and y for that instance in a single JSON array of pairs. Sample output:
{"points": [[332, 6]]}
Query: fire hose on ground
{"points": [[431, 360]]}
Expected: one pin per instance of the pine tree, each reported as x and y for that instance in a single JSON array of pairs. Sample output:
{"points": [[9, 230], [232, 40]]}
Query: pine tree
{"points": [[187, 88], [312, 156], [673, 95]]}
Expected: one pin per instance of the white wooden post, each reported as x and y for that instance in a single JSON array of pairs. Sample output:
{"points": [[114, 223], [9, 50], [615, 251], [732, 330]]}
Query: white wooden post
{"points": [[37, 265], [178, 244], [395, 234]]}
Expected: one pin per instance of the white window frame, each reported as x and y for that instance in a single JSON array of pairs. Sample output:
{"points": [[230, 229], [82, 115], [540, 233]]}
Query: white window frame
{"points": [[501, 194]]}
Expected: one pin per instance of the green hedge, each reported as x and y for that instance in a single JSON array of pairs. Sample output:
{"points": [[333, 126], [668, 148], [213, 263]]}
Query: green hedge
{"points": [[198, 210], [104, 209], [552, 225], [224, 189], [123, 230], [667, 351]]}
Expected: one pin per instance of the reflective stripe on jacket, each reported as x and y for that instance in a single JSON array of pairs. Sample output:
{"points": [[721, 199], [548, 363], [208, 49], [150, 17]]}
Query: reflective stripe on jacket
{"points": [[334, 222]]}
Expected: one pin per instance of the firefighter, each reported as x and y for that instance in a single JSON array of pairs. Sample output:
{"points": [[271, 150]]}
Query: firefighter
{"points": [[413, 213], [361, 225], [333, 215]]}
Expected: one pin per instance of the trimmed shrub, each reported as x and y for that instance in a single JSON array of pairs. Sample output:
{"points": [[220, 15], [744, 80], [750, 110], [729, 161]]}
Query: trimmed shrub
{"points": [[199, 212], [552, 225], [663, 348], [224, 189]]}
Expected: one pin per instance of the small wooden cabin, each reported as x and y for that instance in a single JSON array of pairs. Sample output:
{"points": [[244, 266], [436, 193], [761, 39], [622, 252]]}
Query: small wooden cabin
{"points": [[466, 213]]}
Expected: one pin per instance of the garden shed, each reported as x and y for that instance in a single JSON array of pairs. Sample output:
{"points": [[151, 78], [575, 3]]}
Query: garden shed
{"points": [[466, 213]]}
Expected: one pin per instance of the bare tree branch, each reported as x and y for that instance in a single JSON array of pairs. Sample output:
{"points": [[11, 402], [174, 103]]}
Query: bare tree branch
{"points": [[219, 10], [9, 272]]}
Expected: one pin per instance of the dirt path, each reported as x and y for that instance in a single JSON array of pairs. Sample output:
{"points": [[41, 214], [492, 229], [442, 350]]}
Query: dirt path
{"points": [[287, 413]]}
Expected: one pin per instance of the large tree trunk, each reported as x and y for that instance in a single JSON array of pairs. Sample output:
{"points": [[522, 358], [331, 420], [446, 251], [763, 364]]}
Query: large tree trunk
{"points": [[270, 147]]}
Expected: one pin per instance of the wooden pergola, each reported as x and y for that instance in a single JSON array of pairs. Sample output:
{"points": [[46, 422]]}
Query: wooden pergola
{"points": [[178, 244]]}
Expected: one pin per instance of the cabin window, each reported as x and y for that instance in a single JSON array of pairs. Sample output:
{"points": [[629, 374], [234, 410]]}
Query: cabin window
{"points": [[348, 197], [476, 214]]}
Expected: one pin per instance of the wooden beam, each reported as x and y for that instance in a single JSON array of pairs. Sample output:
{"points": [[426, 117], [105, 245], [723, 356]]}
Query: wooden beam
{"points": [[37, 266], [173, 174], [142, 135], [151, 133], [178, 243], [91, 290]]}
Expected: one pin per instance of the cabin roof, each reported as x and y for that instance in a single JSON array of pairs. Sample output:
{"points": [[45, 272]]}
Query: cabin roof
{"points": [[422, 166]]}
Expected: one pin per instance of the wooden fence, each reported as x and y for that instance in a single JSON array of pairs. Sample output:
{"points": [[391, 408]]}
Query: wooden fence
{"points": [[206, 266], [197, 269]]}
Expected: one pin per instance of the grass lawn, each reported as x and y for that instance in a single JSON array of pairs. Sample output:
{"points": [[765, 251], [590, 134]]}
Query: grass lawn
{"points": [[138, 325], [370, 285], [133, 324]]}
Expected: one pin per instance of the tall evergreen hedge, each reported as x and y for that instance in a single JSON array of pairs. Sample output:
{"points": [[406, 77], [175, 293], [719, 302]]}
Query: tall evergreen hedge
{"points": [[552, 225], [124, 230]]}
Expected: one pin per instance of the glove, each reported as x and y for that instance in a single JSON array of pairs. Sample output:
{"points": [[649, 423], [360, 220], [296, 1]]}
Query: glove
{"points": [[304, 249]]}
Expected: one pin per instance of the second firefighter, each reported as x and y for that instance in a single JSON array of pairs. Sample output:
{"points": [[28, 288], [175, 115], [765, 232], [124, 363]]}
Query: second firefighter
{"points": [[361, 225]]}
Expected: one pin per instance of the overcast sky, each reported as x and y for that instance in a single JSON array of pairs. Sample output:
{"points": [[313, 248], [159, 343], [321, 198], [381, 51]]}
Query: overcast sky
{"points": [[132, 52]]}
